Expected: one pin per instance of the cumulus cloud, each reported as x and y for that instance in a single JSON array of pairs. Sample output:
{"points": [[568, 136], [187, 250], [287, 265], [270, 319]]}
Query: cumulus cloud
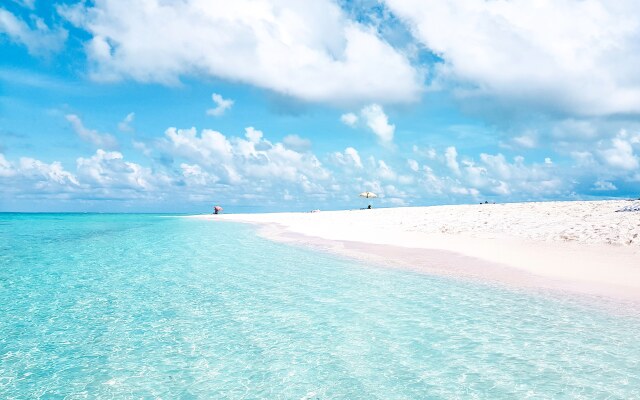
{"points": [[54, 172], [619, 154], [378, 122], [502, 177], [429, 152], [353, 155], [350, 158], [29, 176], [239, 161], [221, 103], [349, 119], [90, 135], [209, 148], [385, 172], [108, 169], [6, 169], [574, 56], [465, 191], [195, 176], [104, 175], [125, 124], [308, 50], [394, 196], [615, 159], [40, 39], [493, 175], [142, 147], [254, 135], [451, 156]]}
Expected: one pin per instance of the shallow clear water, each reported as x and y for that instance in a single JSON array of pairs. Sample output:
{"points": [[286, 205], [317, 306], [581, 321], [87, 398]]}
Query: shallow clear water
{"points": [[118, 306]]}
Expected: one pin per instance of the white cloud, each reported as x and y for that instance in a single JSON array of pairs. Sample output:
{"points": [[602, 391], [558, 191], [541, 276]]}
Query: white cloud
{"points": [[526, 141], [108, 169], [465, 191], [378, 121], [350, 158], [105, 175], [501, 177], [353, 154], [222, 105], [210, 148], [572, 129], [32, 176], [243, 161], [498, 165], [451, 157], [493, 176], [30, 4], [308, 50], [601, 185], [297, 143], [429, 152], [576, 56], [54, 172], [254, 135], [349, 119], [385, 172], [39, 39], [125, 124], [89, 135], [141, 147], [6, 169], [413, 164], [196, 176], [394, 196], [583, 159], [405, 180], [502, 188], [432, 184], [619, 154]]}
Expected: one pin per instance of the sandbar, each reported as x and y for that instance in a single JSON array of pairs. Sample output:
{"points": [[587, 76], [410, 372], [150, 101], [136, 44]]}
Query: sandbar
{"points": [[576, 246]]}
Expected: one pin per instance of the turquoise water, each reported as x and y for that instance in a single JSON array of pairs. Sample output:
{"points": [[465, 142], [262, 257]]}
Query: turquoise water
{"points": [[142, 306]]}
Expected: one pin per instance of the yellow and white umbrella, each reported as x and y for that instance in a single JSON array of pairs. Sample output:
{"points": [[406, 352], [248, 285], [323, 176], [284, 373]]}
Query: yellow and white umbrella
{"points": [[368, 195]]}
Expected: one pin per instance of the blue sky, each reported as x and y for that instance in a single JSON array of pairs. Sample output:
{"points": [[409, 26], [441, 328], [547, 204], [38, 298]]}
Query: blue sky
{"points": [[173, 106]]}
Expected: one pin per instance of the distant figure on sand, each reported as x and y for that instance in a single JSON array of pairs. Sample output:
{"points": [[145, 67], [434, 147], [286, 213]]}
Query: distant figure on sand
{"points": [[217, 209], [369, 207]]}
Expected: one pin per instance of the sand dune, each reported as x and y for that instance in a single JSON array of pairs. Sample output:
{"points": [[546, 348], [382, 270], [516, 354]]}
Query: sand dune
{"points": [[580, 245]]}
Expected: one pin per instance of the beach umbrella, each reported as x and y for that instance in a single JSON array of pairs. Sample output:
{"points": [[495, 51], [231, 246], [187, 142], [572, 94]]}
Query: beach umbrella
{"points": [[217, 209], [368, 195]]}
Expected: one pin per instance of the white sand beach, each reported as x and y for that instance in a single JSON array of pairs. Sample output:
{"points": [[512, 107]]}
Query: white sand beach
{"points": [[582, 246]]}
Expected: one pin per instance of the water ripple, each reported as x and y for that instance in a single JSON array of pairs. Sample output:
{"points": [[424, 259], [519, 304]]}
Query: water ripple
{"points": [[106, 306]]}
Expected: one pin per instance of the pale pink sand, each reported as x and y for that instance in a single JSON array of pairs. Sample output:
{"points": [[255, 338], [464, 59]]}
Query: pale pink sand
{"points": [[579, 246]]}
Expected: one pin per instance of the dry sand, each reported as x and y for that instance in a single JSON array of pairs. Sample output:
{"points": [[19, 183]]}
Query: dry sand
{"points": [[581, 246]]}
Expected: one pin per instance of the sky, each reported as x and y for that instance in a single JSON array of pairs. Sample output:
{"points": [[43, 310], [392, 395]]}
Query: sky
{"points": [[275, 105]]}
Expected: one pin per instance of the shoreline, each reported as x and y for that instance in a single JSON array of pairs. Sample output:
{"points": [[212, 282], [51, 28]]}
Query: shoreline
{"points": [[467, 248]]}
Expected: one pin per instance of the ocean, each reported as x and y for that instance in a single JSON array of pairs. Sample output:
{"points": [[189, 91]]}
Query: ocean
{"points": [[154, 306]]}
